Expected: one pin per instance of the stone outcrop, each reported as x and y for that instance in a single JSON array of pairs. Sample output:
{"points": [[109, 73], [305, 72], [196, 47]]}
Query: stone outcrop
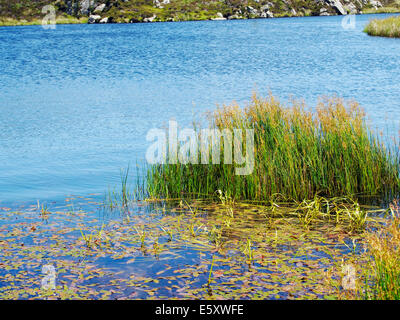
{"points": [[324, 12], [100, 8], [219, 16], [150, 19], [252, 11], [85, 6], [375, 4], [123, 11], [94, 19], [161, 3], [234, 17], [351, 8], [337, 5]]}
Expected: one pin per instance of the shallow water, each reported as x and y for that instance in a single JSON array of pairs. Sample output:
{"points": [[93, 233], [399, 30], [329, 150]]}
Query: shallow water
{"points": [[76, 102], [255, 253]]}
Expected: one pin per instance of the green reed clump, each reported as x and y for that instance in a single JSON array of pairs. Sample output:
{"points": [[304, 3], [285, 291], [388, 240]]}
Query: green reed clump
{"points": [[298, 152], [339, 210], [115, 199], [389, 27], [93, 239], [383, 279]]}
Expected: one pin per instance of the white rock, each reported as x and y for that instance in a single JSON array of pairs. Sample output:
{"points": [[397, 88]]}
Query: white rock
{"points": [[84, 6], [352, 9], [324, 12], [150, 19], [160, 3], [337, 5], [219, 17], [94, 18], [233, 17], [376, 4], [267, 6], [100, 8], [104, 20], [267, 14], [251, 10]]}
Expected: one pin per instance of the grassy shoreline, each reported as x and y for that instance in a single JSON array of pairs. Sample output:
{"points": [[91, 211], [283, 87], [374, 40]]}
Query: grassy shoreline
{"points": [[389, 27], [382, 10], [10, 22]]}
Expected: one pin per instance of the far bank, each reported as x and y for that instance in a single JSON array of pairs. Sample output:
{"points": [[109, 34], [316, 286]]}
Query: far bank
{"points": [[18, 12]]}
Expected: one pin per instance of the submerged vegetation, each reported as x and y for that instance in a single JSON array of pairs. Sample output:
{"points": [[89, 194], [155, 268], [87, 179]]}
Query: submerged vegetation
{"points": [[299, 153], [192, 250], [202, 250], [383, 283], [389, 27]]}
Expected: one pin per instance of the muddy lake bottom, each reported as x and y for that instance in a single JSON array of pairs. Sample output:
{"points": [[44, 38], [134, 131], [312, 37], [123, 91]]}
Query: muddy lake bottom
{"points": [[170, 250]]}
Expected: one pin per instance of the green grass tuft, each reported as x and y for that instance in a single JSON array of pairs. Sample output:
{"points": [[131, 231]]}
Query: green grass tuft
{"points": [[389, 27], [383, 279], [298, 153]]}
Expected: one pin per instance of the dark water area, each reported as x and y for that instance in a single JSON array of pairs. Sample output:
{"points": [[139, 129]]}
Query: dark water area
{"points": [[77, 102]]}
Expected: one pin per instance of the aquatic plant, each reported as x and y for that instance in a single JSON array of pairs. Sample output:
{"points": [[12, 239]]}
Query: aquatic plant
{"points": [[227, 201], [286, 261], [383, 280], [248, 251], [43, 209], [114, 199], [330, 151], [338, 209], [309, 211], [357, 217], [168, 232], [353, 247], [228, 222], [193, 229], [215, 236], [225, 198], [156, 247], [124, 187], [142, 236], [92, 239]]}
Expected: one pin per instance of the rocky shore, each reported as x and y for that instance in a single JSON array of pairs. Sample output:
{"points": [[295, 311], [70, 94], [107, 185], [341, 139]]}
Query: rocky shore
{"points": [[132, 11]]}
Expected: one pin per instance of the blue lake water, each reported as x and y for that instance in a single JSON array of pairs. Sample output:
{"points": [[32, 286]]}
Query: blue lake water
{"points": [[77, 102]]}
